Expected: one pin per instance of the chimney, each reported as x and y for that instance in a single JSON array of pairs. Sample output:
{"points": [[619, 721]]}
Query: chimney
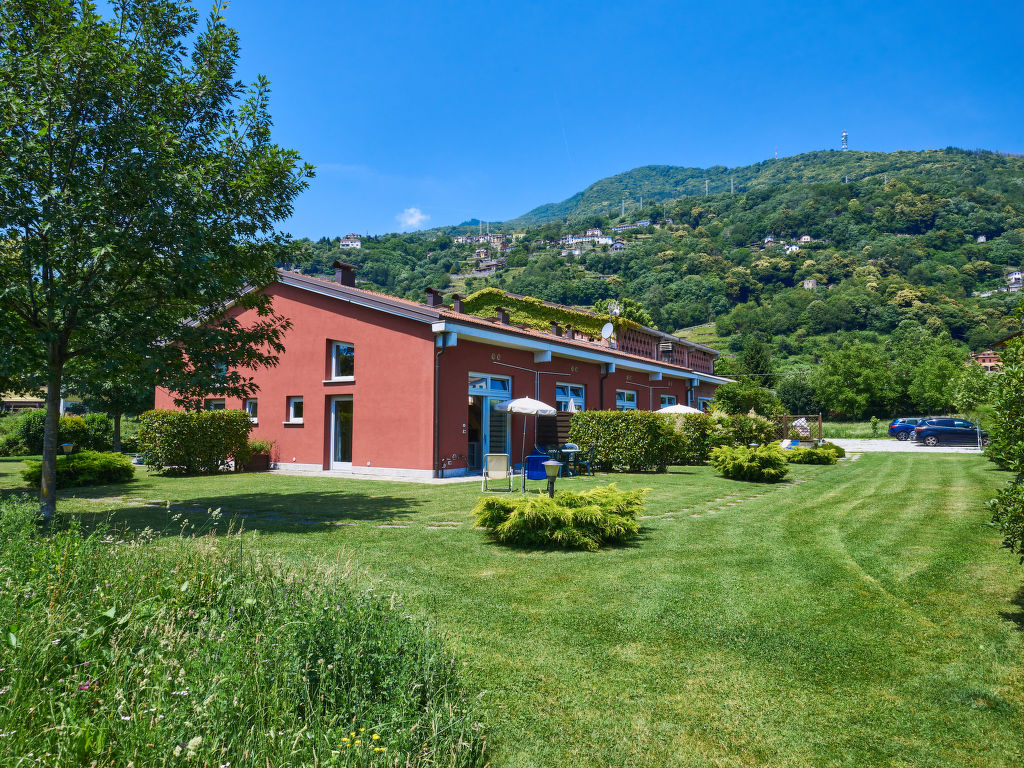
{"points": [[502, 315], [434, 298], [569, 332], [457, 303], [345, 274], [556, 329]]}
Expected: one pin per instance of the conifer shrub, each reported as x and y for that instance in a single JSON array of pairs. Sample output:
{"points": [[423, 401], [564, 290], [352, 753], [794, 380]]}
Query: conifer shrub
{"points": [[764, 464], [587, 520], [636, 441], [837, 450], [116, 652], [85, 468], [810, 456], [194, 442]]}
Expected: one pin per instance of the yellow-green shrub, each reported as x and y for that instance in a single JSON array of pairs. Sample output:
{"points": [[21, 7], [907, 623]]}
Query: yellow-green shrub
{"points": [[764, 464], [811, 456], [587, 520]]}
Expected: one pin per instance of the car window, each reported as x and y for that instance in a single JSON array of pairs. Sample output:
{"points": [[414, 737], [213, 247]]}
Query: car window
{"points": [[964, 424], [942, 422]]}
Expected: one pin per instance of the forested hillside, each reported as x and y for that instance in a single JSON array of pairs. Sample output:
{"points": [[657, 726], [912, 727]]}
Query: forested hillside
{"points": [[915, 245]]}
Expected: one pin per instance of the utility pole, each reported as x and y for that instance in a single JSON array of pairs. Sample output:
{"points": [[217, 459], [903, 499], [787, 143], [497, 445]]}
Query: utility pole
{"points": [[732, 186], [705, 187]]}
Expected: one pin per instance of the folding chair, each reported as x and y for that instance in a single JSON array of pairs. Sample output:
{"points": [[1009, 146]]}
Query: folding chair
{"points": [[497, 467]]}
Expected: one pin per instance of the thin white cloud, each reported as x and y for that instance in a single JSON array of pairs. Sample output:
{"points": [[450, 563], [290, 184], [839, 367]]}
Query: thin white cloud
{"points": [[412, 218]]}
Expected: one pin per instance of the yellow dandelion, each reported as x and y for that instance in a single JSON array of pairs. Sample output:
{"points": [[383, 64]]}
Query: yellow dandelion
{"points": [[353, 734], [375, 737], [361, 730]]}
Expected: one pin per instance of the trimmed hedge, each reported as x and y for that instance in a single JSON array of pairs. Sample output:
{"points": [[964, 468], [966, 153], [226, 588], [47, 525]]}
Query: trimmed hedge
{"points": [[194, 442], [587, 520], [85, 468], [624, 440], [764, 464]]}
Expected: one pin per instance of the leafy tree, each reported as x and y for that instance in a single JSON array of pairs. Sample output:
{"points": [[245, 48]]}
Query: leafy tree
{"points": [[743, 395], [630, 309], [796, 392], [141, 188], [1006, 431], [117, 391], [855, 381]]}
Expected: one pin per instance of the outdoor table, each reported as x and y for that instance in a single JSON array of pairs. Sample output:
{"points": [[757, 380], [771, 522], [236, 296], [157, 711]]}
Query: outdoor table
{"points": [[568, 459]]}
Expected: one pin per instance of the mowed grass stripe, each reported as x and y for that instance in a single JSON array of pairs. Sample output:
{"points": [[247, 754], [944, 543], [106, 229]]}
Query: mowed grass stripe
{"points": [[855, 619]]}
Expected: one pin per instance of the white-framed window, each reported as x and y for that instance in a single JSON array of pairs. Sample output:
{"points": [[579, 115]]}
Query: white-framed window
{"points": [[251, 406], [343, 360], [667, 400], [625, 400], [564, 393], [214, 404], [295, 409]]}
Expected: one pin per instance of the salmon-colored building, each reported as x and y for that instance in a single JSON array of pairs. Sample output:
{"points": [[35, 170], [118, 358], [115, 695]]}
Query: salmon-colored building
{"points": [[376, 384]]}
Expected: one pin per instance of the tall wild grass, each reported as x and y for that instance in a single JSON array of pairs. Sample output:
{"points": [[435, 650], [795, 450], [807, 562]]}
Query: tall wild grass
{"points": [[164, 651]]}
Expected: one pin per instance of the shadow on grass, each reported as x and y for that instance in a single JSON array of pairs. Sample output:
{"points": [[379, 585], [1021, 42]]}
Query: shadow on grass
{"points": [[276, 511], [1017, 616]]}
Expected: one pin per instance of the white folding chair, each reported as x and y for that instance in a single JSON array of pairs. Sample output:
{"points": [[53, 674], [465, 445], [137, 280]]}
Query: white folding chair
{"points": [[497, 467]]}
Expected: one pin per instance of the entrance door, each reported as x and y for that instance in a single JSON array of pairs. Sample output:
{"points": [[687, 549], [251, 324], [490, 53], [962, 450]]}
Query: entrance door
{"points": [[341, 432], [488, 427]]}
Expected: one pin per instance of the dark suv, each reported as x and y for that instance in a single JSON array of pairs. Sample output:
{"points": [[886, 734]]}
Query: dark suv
{"points": [[903, 429], [949, 431]]}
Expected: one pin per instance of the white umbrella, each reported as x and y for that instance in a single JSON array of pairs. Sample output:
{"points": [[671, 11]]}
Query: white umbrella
{"points": [[678, 409], [528, 407]]}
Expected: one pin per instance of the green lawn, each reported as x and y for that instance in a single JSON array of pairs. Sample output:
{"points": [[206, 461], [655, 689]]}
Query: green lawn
{"points": [[859, 615]]}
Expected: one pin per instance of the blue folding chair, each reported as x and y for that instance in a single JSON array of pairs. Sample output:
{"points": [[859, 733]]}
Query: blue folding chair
{"points": [[535, 468]]}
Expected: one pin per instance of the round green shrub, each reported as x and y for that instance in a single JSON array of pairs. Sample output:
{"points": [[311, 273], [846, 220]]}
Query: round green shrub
{"points": [[70, 429], [587, 520], [764, 464], [11, 445], [810, 456], [85, 468]]}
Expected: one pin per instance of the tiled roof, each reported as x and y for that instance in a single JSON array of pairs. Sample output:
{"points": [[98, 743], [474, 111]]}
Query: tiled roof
{"points": [[424, 312]]}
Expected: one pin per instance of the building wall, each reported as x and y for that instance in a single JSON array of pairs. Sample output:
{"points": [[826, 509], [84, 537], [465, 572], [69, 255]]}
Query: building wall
{"points": [[536, 380], [392, 395]]}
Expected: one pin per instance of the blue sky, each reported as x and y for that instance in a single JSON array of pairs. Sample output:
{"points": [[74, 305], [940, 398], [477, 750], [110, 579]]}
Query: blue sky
{"points": [[485, 109]]}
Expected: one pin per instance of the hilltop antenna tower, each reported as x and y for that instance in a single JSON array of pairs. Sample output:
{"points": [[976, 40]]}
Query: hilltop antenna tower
{"points": [[705, 187], [845, 137]]}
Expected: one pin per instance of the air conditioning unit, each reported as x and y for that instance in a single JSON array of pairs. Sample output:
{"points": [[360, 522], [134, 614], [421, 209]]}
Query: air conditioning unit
{"points": [[694, 382]]}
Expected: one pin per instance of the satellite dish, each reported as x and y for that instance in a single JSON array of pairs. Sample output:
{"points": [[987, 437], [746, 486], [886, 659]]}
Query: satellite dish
{"points": [[613, 309], [607, 330]]}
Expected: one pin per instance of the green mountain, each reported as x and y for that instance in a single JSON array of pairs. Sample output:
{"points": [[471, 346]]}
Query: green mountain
{"points": [[806, 253], [655, 183]]}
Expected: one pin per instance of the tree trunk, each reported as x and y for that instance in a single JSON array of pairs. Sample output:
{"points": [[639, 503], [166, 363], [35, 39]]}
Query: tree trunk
{"points": [[117, 433], [48, 482]]}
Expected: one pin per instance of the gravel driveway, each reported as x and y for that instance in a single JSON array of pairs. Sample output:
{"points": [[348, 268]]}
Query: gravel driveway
{"points": [[891, 445]]}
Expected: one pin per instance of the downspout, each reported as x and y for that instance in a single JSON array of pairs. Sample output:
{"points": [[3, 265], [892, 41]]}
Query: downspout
{"points": [[606, 372], [437, 404]]}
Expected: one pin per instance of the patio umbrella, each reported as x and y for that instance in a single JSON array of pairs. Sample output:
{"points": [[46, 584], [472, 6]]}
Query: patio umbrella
{"points": [[528, 407], [678, 409]]}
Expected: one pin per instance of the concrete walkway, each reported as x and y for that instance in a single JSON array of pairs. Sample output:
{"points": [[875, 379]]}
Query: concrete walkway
{"points": [[385, 477], [892, 445]]}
